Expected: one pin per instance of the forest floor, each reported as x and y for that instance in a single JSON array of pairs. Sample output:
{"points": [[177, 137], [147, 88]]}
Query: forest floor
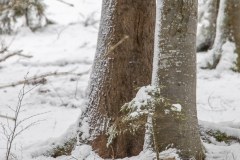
{"points": [[69, 46]]}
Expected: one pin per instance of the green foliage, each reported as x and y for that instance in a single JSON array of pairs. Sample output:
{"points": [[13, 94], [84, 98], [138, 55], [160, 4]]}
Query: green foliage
{"points": [[219, 136], [222, 137]]}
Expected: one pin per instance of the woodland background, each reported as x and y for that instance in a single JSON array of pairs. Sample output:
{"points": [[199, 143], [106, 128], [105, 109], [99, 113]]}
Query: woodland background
{"points": [[52, 44]]}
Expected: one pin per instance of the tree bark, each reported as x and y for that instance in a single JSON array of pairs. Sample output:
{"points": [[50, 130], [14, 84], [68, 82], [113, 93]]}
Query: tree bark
{"points": [[123, 63], [235, 20], [227, 30], [175, 73], [208, 24]]}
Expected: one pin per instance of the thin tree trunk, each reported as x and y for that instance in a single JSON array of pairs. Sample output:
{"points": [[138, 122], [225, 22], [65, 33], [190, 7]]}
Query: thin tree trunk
{"points": [[235, 19], [123, 63], [208, 25], [175, 72], [222, 35], [227, 31]]}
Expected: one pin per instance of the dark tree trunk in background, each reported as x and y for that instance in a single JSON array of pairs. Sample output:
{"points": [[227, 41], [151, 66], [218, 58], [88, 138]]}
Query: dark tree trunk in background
{"points": [[175, 71], [235, 20], [123, 62]]}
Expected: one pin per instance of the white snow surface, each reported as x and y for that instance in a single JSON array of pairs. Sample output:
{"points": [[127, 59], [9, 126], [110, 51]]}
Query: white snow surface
{"points": [[70, 44]]}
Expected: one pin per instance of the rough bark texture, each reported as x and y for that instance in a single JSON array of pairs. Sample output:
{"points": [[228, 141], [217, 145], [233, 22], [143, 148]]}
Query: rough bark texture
{"points": [[227, 30], [175, 60], [123, 63], [208, 23]]}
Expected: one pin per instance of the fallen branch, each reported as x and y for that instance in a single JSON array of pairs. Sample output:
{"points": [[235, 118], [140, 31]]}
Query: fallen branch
{"points": [[40, 79], [6, 117], [17, 53], [4, 49]]}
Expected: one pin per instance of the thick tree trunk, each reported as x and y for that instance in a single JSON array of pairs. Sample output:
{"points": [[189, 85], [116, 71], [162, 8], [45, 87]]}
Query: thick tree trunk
{"points": [[207, 25], [175, 72], [123, 63]]}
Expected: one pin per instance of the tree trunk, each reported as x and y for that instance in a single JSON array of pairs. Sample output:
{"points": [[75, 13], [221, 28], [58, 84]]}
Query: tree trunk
{"points": [[207, 25], [175, 73], [123, 63], [227, 31], [235, 19]]}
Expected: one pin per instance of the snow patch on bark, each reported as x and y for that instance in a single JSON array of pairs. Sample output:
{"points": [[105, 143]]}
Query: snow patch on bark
{"points": [[156, 57], [143, 101], [170, 153], [176, 107], [84, 129]]}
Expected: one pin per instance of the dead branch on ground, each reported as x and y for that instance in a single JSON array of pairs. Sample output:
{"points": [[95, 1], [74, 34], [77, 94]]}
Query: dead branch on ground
{"points": [[17, 53], [41, 79]]}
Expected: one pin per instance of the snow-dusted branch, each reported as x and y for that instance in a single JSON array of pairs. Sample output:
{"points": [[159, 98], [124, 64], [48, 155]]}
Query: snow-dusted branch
{"points": [[17, 53], [11, 131], [41, 79]]}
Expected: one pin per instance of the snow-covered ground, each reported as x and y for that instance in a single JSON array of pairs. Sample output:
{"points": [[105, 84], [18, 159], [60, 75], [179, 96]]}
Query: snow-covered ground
{"points": [[69, 45]]}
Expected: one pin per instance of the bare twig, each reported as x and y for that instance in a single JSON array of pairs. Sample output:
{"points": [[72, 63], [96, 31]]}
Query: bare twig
{"points": [[40, 79], [90, 20], [17, 53], [11, 135], [12, 131], [119, 43], [69, 4], [3, 49], [112, 48]]}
